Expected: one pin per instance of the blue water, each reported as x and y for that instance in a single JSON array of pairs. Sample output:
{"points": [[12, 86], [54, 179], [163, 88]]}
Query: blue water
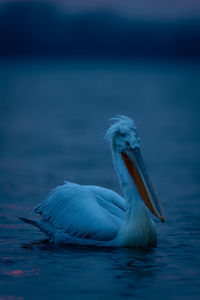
{"points": [[53, 116]]}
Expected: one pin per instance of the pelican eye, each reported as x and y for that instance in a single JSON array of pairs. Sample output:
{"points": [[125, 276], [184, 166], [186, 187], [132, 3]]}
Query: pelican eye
{"points": [[128, 144], [123, 134]]}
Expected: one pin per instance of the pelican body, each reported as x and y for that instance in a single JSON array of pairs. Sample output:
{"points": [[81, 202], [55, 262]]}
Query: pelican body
{"points": [[92, 215]]}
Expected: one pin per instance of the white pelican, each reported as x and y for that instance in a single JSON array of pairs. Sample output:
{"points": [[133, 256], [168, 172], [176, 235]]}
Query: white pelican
{"points": [[92, 215]]}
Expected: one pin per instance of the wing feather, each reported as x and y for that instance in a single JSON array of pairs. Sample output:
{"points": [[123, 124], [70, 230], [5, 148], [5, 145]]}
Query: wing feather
{"points": [[82, 212]]}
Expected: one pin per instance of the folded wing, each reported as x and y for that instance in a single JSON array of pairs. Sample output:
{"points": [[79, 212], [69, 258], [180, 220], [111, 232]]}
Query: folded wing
{"points": [[86, 212]]}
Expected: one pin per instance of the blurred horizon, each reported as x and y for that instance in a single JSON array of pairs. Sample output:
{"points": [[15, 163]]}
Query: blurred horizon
{"points": [[100, 29]]}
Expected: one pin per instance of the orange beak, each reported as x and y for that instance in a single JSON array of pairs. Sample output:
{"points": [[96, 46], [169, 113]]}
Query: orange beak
{"points": [[135, 165]]}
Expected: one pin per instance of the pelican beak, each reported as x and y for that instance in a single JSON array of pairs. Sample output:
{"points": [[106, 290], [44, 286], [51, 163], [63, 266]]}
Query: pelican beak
{"points": [[136, 167]]}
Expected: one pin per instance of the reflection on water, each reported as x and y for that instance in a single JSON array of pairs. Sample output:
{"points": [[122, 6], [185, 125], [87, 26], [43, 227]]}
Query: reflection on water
{"points": [[52, 120]]}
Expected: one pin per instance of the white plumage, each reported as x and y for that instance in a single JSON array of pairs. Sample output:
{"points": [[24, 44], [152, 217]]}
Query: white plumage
{"points": [[91, 215]]}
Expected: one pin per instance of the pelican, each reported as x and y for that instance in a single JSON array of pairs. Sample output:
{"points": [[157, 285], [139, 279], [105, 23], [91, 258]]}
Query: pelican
{"points": [[91, 215]]}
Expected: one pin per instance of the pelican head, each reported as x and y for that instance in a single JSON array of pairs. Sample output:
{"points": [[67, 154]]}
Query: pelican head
{"points": [[124, 140]]}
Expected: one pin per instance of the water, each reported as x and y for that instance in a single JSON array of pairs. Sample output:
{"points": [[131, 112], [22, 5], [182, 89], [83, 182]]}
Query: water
{"points": [[53, 116]]}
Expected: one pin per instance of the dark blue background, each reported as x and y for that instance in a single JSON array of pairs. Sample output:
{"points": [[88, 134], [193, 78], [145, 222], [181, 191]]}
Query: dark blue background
{"points": [[56, 97], [46, 29]]}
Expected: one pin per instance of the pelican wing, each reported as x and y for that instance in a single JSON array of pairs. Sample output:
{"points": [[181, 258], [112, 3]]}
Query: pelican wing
{"points": [[75, 211], [110, 201]]}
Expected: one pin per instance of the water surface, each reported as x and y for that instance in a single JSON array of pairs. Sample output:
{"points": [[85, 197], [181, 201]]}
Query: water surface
{"points": [[53, 116]]}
